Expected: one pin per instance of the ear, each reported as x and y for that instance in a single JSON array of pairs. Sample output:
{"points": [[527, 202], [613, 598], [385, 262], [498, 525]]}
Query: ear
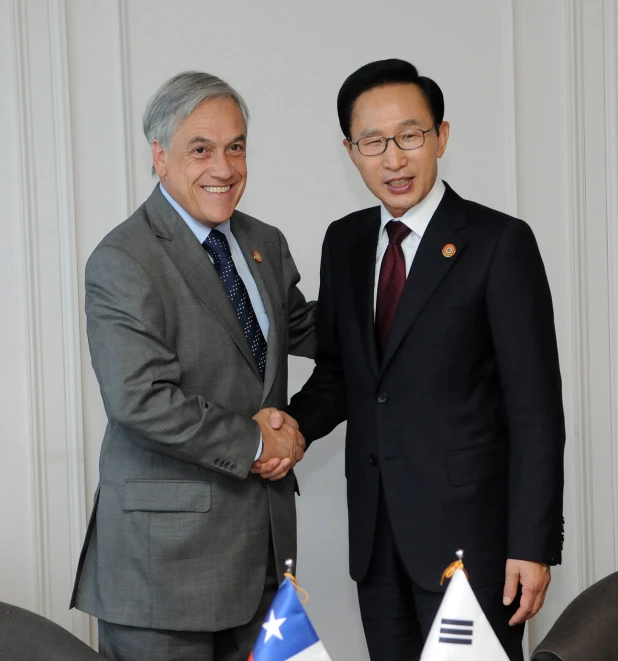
{"points": [[445, 129], [159, 159], [350, 149]]}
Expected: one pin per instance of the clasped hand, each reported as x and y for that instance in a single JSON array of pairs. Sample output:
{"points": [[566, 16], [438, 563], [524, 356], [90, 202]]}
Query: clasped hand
{"points": [[283, 444]]}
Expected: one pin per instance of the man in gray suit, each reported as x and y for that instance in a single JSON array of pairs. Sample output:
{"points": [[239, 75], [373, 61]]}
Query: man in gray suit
{"points": [[192, 309]]}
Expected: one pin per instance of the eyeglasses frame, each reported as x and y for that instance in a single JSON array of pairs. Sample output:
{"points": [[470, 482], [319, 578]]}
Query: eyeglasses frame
{"points": [[393, 138]]}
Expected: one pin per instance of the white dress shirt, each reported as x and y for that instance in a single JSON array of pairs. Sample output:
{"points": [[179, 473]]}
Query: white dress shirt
{"points": [[201, 232], [417, 219]]}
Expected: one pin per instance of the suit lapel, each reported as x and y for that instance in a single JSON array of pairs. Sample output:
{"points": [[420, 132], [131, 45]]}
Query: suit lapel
{"points": [[362, 261], [193, 263], [266, 281], [429, 267]]}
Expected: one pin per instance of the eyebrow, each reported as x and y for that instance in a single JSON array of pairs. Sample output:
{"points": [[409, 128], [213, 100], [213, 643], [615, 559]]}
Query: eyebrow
{"points": [[402, 125], [199, 139]]}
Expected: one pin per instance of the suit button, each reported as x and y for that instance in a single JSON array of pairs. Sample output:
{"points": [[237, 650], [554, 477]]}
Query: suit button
{"points": [[233, 467], [226, 464], [216, 461], [382, 398], [373, 459]]}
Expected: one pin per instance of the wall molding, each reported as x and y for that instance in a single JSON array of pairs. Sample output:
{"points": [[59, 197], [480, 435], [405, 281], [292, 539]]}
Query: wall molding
{"points": [[579, 286], [127, 106], [610, 23], [69, 292], [30, 241], [67, 425], [510, 97]]}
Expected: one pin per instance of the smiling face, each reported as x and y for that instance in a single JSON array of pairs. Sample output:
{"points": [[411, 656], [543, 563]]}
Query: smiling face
{"points": [[205, 167], [399, 178]]}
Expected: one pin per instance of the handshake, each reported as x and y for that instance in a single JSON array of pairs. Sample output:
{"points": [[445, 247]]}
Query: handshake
{"points": [[283, 446]]}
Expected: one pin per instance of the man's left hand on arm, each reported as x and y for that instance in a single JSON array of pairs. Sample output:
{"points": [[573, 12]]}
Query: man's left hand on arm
{"points": [[534, 578]]}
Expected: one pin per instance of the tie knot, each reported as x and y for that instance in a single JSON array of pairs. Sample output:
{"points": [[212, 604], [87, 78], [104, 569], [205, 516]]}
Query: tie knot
{"points": [[216, 242], [397, 231]]}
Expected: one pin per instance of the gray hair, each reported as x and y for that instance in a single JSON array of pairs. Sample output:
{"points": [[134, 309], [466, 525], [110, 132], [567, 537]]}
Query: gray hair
{"points": [[177, 98]]}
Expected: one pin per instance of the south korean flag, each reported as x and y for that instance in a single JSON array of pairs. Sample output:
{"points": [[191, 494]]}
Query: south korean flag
{"points": [[461, 631]]}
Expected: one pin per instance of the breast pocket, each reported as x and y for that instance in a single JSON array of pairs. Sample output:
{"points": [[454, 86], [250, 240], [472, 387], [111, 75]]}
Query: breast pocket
{"points": [[166, 496], [449, 299]]}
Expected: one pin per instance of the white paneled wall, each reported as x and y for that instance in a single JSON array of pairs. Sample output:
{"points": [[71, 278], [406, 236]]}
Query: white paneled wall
{"points": [[531, 92], [17, 526], [51, 481], [543, 200]]}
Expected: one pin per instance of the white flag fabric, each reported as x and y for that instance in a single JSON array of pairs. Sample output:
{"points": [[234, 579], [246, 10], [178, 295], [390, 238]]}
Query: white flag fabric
{"points": [[461, 631]]}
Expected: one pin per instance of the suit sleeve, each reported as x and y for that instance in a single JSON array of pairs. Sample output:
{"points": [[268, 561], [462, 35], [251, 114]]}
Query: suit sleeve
{"points": [[522, 326], [139, 373], [320, 405], [301, 313]]}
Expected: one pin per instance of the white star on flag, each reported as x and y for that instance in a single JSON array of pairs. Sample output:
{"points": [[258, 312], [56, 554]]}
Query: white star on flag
{"points": [[272, 627]]}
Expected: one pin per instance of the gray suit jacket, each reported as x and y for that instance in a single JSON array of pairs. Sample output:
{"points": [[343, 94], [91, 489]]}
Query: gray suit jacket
{"points": [[179, 534]]}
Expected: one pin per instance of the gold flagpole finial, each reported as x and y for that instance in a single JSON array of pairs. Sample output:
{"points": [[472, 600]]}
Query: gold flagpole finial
{"points": [[289, 563], [458, 564]]}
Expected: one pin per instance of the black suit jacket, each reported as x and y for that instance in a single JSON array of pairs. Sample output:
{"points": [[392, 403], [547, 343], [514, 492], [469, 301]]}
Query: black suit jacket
{"points": [[462, 418]]}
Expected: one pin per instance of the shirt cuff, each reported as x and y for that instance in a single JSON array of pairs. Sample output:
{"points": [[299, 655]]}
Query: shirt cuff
{"points": [[260, 448]]}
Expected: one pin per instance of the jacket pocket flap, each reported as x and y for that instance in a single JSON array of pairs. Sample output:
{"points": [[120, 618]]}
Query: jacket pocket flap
{"points": [[166, 496], [479, 463]]}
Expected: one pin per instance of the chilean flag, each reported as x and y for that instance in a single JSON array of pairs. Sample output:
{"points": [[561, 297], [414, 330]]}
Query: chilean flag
{"points": [[287, 634]]}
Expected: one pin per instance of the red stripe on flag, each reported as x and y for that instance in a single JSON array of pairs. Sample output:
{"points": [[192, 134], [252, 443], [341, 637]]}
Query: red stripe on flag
{"points": [[250, 657]]}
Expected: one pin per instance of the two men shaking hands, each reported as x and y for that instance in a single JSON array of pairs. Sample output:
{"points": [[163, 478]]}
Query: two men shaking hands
{"points": [[433, 337], [283, 444]]}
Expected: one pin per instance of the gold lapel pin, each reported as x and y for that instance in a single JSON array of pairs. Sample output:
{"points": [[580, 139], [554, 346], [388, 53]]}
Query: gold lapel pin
{"points": [[257, 256], [449, 250]]}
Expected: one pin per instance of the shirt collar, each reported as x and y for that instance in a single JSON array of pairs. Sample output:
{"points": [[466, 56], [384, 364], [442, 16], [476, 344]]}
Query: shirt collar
{"points": [[200, 231], [417, 218]]}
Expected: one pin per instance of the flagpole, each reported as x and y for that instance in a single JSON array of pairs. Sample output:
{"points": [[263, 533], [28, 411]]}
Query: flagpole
{"points": [[454, 566]]}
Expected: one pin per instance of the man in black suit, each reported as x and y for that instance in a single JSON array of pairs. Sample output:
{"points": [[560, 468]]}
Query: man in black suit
{"points": [[436, 343]]}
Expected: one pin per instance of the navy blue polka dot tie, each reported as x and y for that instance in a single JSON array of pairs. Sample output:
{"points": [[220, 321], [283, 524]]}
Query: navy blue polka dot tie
{"points": [[219, 249]]}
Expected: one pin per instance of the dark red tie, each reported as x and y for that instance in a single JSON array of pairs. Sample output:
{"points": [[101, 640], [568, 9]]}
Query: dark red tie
{"points": [[391, 282]]}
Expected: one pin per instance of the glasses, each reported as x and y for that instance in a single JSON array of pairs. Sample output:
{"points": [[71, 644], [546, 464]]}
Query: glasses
{"points": [[375, 145]]}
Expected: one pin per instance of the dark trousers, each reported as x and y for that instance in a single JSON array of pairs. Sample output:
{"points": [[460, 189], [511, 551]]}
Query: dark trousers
{"points": [[397, 613], [121, 643]]}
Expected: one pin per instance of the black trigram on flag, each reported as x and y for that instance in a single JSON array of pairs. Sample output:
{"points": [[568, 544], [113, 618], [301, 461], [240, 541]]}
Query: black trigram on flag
{"points": [[456, 632]]}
